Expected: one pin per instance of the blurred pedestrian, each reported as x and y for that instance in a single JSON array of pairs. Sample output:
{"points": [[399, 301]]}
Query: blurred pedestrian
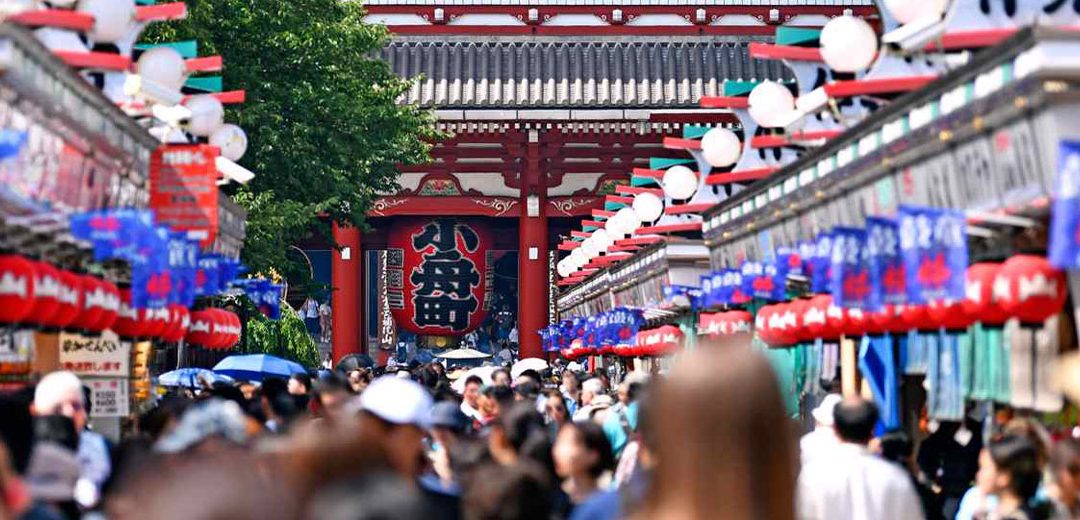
{"points": [[582, 455], [397, 410], [556, 410], [299, 384], [822, 439], [501, 377], [722, 443], [621, 421], [896, 447], [470, 402], [1014, 470], [591, 390], [1065, 473], [853, 483], [571, 390]]}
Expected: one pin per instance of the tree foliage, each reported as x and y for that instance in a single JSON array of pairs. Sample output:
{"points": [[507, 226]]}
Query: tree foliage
{"points": [[285, 338], [326, 132]]}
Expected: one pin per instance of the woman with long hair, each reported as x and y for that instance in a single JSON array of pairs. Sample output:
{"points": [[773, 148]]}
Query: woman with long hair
{"points": [[722, 443], [1013, 468], [582, 455]]}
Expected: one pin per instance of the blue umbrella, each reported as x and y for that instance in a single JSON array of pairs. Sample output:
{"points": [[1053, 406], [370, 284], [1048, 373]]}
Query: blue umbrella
{"points": [[191, 377], [255, 367]]}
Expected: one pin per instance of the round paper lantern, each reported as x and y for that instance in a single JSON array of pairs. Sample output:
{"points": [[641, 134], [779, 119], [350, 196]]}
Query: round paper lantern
{"points": [[17, 276], [579, 258], [783, 323], [881, 320], [179, 320], [602, 239], [164, 66], [220, 331], [738, 322], [721, 147], [127, 324], [916, 317], [761, 323], [94, 301], [563, 267], [906, 11], [771, 104], [980, 302], [235, 328], [813, 318], [798, 307], [232, 141], [199, 330], [46, 293], [589, 249], [949, 315], [848, 44], [648, 207], [836, 320], [70, 298], [207, 115], [858, 323], [152, 322], [680, 182], [1030, 289], [113, 19], [110, 305]]}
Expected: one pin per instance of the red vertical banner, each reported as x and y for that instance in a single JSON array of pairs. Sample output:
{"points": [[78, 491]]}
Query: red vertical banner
{"points": [[183, 189]]}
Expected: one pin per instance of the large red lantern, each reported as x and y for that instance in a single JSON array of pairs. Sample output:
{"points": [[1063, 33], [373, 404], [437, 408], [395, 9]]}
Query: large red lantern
{"points": [[46, 293], [439, 275], [798, 306], [813, 319], [950, 315], [980, 302], [781, 325], [70, 299], [738, 322], [761, 324], [199, 330], [127, 324], [111, 306], [1030, 289], [857, 323], [836, 320], [916, 317], [94, 303], [179, 320], [881, 320], [16, 288]]}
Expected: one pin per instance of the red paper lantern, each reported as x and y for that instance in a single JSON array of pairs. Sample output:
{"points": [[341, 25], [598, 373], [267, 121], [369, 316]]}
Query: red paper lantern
{"points": [[783, 323], [950, 315], [836, 320], [46, 293], [857, 324], [16, 288], [1030, 289], [813, 319], [70, 301], [127, 324], [798, 306], [916, 317], [882, 320], [111, 305], [980, 302], [236, 330], [761, 324], [738, 322], [94, 303], [152, 322], [199, 330], [179, 319]]}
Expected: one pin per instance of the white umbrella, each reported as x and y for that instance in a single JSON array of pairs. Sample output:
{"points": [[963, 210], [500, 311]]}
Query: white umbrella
{"points": [[462, 353], [484, 373], [536, 364]]}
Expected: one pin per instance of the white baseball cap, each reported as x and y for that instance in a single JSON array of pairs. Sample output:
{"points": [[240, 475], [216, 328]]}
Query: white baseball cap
{"points": [[823, 414], [396, 400]]}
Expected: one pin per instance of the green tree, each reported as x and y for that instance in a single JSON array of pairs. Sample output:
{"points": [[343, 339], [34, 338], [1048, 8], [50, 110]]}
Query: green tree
{"points": [[326, 132], [286, 337]]}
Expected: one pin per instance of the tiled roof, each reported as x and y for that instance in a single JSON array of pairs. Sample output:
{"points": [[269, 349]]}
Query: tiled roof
{"points": [[464, 74]]}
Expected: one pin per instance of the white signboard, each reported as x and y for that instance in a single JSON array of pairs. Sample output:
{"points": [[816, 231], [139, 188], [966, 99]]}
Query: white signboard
{"points": [[108, 397], [103, 356]]}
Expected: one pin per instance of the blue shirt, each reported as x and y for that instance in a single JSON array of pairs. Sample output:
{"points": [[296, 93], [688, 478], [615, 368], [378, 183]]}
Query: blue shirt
{"points": [[613, 427]]}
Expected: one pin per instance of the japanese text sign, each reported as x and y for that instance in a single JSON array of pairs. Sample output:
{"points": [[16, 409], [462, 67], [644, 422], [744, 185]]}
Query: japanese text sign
{"points": [[933, 243]]}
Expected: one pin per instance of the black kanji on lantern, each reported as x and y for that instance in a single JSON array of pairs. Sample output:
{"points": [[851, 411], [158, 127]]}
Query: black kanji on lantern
{"points": [[445, 279]]}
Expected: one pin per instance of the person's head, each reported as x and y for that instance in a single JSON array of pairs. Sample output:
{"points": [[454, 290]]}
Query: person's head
{"points": [[555, 408], [397, 409], [570, 383], [299, 384], [516, 492], [278, 404], [500, 377], [439, 369], [472, 390], [60, 393], [332, 392], [1065, 469], [248, 389], [582, 451], [531, 375], [590, 389], [715, 397], [447, 423], [1014, 463], [359, 379], [520, 433], [854, 420], [526, 390], [1033, 431], [496, 398], [896, 446]]}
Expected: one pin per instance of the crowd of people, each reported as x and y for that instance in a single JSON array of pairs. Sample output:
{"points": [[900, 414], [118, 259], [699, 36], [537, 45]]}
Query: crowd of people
{"points": [[707, 439]]}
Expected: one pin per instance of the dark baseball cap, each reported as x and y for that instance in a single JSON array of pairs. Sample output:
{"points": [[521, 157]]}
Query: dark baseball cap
{"points": [[448, 414]]}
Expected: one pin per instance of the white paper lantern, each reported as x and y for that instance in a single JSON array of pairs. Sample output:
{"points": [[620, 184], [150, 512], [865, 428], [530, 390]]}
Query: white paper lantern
{"points": [[771, 104], [721, 147], [602, 239], [207, 115], [680, 182], [648, 207], [232, 141], [564, 268], [906, 11], [628, 220], [848, 44], [113, 19], [164, 66], [588, 247], [578, 258]]}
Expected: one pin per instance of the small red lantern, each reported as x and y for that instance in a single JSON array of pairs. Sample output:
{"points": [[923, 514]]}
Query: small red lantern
{"points": [[813, 318], [761, 324], [980, 302], [127, 324], [179, 319], [784, 323], [111, 305], [881, 320], [70, 298], [46, 293], [16, 288], [1029, 288], [220, 331], [94, 303], [152, 321], [836, 320], [798, 307], [916, 317], [949, 315], [857, 324], [738, 322]]}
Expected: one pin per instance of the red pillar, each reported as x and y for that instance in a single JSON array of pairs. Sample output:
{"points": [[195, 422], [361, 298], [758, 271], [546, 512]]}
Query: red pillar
{"points": [[532, 257], [345, 300]]}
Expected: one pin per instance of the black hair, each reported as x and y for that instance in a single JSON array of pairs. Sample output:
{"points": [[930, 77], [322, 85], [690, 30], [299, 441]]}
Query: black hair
{"points": [[57, 429], [88, 402], [1018, 456], [428, 377], [282, 403], [474, 379], [17, 427], [229, 393], [527, 433], [331, 382], [855, 419], [594, 439], [154, 421], [896, 446], [533, 375], [633, 391], [528, 390], [501, 394], [517, 492], [1065, 456], [500, 370], [303, 379]]}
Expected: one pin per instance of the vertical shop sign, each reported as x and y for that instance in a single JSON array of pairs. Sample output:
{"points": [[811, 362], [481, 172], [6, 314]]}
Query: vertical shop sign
{"points": [[183, 190]]}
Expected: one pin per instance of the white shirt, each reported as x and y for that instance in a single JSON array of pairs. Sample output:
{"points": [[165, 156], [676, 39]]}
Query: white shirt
{"points": [[470, 412], [817, 443], [854, 484]]}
